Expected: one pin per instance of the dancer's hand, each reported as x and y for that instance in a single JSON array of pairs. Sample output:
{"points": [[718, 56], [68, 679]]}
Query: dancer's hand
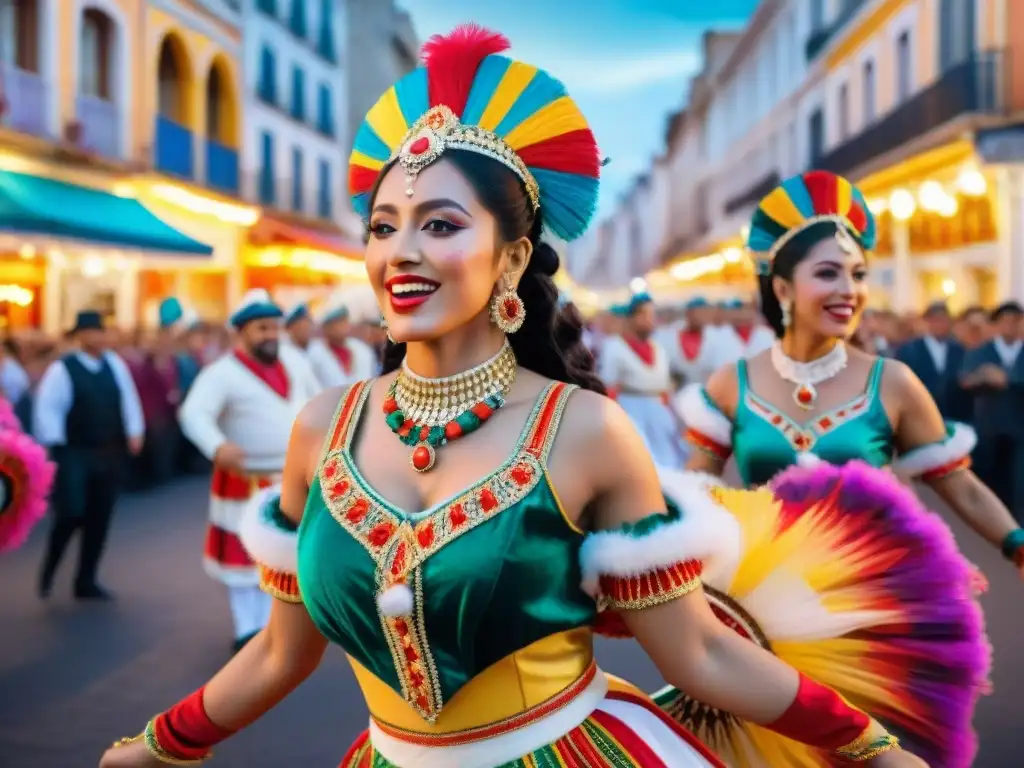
{"points": [[897, 758], [134, 755], [229, 456]]}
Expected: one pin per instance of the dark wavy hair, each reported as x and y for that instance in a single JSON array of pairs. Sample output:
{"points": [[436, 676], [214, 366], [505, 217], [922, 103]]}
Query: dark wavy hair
{"points": [[550, 341], [784, 265]]}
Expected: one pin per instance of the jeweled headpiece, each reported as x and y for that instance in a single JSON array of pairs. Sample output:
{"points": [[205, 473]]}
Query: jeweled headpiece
{"points": [[802, 201], [467, 96]]}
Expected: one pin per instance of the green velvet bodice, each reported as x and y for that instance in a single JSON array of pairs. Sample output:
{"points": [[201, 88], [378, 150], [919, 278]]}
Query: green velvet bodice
{"points": [[765, 441], [490, 571]]}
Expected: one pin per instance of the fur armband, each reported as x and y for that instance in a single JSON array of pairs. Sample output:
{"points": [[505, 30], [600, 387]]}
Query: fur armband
{"points": [[271, 539], [707, 428], [936, 460]]}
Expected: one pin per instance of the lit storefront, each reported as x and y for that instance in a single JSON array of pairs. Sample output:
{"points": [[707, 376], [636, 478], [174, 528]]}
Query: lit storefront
{"points": [[725, 274], [296, 263]]}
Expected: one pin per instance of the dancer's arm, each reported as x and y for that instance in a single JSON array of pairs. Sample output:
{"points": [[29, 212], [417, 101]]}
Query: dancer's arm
{"points": [[275, 662], [692, 649], [707, 413], [919, 428]]}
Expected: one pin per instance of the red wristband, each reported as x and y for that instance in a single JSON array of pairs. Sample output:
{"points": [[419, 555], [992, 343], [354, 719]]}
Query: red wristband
{"points": [[821, 718], [186, 732]]}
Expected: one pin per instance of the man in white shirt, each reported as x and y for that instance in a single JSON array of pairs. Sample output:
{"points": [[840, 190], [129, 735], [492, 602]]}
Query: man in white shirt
{"points": [[88, 414], [338, 358], [239, 414]]}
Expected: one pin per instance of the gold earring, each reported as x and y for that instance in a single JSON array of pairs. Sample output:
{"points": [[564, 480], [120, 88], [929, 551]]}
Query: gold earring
{"points": [[787, 315], [508, 311]]}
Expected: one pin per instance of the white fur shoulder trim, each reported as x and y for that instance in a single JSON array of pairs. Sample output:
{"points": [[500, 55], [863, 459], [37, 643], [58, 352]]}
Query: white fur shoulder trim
{"points": [[705, 531], [922, 460], [699, 415], [266, 542]]}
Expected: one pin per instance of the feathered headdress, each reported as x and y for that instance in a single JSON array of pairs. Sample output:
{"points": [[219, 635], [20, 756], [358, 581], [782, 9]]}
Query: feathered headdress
{"points": [[807, 199], [467, 96]]}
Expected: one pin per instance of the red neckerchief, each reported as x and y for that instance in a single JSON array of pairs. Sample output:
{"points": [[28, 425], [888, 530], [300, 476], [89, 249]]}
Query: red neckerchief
{"points": [[643, 348], [344, 356], [690, 341], [273, 375], [745, 332]]}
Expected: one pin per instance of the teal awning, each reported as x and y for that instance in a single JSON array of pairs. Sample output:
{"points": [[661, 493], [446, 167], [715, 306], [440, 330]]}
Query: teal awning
{"points": [[32, 204]]}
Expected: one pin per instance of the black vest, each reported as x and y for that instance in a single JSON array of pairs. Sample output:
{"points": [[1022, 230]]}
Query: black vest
{"points": [[94, 420]]}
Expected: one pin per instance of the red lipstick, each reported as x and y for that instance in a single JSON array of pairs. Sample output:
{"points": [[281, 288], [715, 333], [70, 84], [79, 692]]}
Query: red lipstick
{"points": [[409, 292]]}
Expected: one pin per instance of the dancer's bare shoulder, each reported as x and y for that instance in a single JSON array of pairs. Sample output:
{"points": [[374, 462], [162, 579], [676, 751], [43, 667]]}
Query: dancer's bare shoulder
{"points": [[723, 386]]}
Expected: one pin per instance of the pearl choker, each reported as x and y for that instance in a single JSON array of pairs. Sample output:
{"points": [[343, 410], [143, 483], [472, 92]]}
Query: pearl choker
{"points": [[807, 375]]}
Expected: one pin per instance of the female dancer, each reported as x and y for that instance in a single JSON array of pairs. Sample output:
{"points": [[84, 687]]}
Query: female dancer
{"points": [[812, 397], [464, 621]]}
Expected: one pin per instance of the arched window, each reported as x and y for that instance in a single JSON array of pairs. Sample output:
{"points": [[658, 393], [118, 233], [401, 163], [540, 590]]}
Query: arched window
{"points": [[95, 55], [215, 94], [171, 78], [19, 34]]}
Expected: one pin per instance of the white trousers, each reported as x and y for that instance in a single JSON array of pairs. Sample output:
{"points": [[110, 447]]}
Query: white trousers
{"points": [[250, 610]]}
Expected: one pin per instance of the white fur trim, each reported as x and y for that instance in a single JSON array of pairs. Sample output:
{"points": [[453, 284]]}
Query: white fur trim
{"points": [[808, 459], [265, 542], [705, 532], [928, 457], [396, 600], [701, 417]]}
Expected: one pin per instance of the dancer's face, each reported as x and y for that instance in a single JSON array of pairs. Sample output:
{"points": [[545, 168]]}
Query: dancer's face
{"points": [[829, 290], [434, 259]]}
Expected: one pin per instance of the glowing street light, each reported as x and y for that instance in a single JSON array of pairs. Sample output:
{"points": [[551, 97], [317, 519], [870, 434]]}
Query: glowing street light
{"points": [[902, 204]]}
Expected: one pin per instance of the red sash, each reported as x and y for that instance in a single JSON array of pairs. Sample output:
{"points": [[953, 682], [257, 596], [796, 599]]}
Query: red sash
{"points": [[745, 332], [643, 348], [344, 356], [273, 375], [690, 342]]}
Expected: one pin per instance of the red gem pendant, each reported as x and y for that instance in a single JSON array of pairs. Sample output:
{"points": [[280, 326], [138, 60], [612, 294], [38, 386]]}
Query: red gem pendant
{"points": [[805, 395], [423, 457], [421, 145]]}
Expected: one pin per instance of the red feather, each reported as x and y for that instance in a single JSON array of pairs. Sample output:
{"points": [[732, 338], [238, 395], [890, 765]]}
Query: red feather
{"points": [[453, 59], [573, 152], [858, 218], [823, 190], [361, 179]]}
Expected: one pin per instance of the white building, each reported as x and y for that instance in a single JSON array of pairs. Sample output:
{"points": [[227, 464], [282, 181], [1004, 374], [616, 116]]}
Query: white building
{"points": [[296, 115]]}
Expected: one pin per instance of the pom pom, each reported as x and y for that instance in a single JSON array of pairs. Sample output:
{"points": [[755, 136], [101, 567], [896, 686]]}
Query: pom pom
{"points": [[453, 59], [396, 600]]}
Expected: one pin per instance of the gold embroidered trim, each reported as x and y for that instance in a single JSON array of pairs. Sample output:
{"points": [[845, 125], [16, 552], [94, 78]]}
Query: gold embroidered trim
{"points": [[280, 584], [804, 438], [399, 546], [874, 741], [655, 587]]}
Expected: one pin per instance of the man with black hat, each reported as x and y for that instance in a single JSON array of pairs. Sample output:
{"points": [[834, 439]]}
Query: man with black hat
{"points": [[239, 414], [88, 413]]}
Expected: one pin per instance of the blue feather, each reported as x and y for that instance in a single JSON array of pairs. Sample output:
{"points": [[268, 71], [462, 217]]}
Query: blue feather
{"points": [[797, 191], [486, 82], [870, 233], [361, 204], [567, 200], [413, 95], [370, 144], [541, 91]]}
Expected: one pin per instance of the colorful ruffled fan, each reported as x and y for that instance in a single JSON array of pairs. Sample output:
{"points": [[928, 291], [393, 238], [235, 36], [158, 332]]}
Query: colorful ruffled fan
{"points": [[801, 201], [467, 96], [26, 478], [844, 575]]}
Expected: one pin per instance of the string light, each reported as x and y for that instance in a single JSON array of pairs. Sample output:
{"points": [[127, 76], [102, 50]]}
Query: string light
{"points": [[902, 204]]}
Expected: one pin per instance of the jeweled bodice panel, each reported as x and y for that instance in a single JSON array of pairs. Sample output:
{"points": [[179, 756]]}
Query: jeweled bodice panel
{"points": [[490, 572], [766, 441]]}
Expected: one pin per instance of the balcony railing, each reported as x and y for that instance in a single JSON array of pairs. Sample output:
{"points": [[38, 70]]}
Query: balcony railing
{"points": [[101, 125], [25, 95], [221, 167], [977, 86], [174, 148], [821, 37], [754, 193]]}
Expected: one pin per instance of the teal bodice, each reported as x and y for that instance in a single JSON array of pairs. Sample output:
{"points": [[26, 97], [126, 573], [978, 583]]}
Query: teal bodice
{"points": [[765, 441], [483, 574]]}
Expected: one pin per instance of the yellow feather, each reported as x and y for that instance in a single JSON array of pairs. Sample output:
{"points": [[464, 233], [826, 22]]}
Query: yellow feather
{"points": [[385, 117], [559, 117], [844, 196], [358, 158], [781, 210], [511, 87]]}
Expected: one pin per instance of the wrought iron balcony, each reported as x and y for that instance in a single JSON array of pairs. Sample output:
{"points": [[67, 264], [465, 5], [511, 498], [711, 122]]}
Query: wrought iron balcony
{"points": [[100, 122], [174, 148], [977, 86], [753, 194], [25, 96], [221, 167], [820, 38]]}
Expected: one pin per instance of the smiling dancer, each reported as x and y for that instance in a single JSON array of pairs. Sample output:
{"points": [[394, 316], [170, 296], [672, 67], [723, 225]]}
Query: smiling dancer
{"points": [[454, 583]]}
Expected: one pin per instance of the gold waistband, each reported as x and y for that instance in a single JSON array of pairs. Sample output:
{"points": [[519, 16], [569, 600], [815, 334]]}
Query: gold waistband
{"points": [[519, 685]]}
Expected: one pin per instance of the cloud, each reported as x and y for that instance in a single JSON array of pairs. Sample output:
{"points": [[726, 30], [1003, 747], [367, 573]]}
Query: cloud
{"points": [[606, 77]]}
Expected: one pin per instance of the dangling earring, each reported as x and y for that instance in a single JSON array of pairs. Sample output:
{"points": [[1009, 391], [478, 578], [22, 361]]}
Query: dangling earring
{"points": [[508, 311], [787, 316], [387, 331]]}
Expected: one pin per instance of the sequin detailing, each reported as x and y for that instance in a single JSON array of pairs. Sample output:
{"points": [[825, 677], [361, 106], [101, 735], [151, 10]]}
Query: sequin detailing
{"points": [[651, 588], [280, 584], [803, 437]]}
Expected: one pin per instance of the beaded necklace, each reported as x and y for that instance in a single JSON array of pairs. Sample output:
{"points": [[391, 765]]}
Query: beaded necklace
{"points": [[428, 413]]}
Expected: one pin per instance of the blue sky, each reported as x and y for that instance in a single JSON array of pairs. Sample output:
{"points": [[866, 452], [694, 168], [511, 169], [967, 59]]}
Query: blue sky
{"points": [[627, 62]]}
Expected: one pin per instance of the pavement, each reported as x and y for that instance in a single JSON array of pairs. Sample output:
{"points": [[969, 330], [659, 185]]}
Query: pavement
{"points": [[75, 677]]}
